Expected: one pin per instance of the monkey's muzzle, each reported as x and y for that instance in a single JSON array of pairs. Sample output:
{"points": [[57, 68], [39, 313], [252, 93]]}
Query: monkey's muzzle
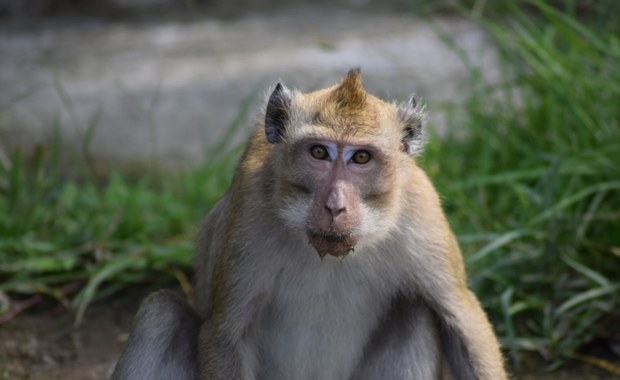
{"points": [[334, 244]]}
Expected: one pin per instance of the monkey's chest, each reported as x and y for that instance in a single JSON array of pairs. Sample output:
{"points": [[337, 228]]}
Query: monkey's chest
{"points": [[317, 324]]}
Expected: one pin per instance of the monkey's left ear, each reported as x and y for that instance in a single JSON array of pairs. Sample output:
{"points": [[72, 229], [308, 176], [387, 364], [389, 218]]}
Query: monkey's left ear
{"points": [[411, 115], [277, 113]]}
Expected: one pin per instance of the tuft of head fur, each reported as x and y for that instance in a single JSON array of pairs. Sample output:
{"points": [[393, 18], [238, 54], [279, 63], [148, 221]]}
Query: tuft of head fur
{"points": [[350, 95], [346, 107]]}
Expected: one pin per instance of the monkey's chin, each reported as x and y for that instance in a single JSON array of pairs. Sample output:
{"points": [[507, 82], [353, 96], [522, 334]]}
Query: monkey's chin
{"points": [[334, 244]]}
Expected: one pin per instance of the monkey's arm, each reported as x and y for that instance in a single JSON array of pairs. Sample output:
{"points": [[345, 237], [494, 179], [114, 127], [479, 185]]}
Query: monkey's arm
{"points": [[234, 280], [435, 322], [226, 342], [226, 348], [437, 275], [467, 339], [412, 339]]}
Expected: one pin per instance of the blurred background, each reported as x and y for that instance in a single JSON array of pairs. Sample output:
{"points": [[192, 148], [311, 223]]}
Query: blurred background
{"points": [[121, 122], [158, 82]]}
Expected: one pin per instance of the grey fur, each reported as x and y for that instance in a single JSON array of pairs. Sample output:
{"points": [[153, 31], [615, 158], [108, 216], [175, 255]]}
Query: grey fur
{"points": [[411, 114], [404, 346], [162, 344]]}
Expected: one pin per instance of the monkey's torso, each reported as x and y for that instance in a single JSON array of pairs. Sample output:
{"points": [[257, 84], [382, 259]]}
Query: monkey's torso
{"points": [[320, 318]]}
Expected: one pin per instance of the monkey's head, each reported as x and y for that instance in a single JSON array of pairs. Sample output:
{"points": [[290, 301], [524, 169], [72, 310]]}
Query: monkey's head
{"points": [[338, 156]]}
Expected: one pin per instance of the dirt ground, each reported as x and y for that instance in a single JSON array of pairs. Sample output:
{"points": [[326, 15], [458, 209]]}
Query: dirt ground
{"points": [[45, 345]]}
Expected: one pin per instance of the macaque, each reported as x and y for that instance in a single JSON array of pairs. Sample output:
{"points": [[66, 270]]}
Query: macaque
{"points": [[329, 257]]}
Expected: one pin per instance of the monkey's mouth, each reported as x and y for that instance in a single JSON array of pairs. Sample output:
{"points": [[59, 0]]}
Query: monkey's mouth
{"points": [[332, 243]]}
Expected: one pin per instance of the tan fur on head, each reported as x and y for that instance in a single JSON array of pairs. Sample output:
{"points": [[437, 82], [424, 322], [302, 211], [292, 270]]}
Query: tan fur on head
{"points": [[347, 106], [344, 109], [350, 95]]}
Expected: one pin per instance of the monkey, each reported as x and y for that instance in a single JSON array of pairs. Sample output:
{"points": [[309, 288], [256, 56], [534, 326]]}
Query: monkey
{"points": [[329, 257]]}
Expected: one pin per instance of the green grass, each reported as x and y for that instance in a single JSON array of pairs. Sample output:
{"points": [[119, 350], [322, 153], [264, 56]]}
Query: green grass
{"points": [[59, 229], [529, 173], [530, 177]]}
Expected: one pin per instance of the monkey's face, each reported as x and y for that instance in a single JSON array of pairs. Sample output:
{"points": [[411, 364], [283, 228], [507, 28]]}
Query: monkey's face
{"points": [[337, 154], [338, 192]]}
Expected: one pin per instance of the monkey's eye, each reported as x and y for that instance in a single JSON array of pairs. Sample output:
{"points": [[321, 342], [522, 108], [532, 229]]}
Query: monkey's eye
{"points": [[361, 157], [319, 152]]}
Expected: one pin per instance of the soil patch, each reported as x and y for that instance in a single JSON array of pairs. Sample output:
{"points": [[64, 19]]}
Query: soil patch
{"points": [[47, 345]]}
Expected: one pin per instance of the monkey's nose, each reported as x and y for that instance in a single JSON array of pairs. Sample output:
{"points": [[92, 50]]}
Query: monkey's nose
{"points": [[335, 203], [334, 211]]}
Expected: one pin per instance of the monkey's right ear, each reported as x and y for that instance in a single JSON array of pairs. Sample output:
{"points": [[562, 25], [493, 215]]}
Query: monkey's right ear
{"points": [[277, 113]]}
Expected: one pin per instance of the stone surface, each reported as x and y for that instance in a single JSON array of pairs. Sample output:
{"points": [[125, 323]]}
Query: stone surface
{"points": [[163, 91]]}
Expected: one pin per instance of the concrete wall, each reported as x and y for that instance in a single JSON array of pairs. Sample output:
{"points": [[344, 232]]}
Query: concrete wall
{"points": [[164, 91]]}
